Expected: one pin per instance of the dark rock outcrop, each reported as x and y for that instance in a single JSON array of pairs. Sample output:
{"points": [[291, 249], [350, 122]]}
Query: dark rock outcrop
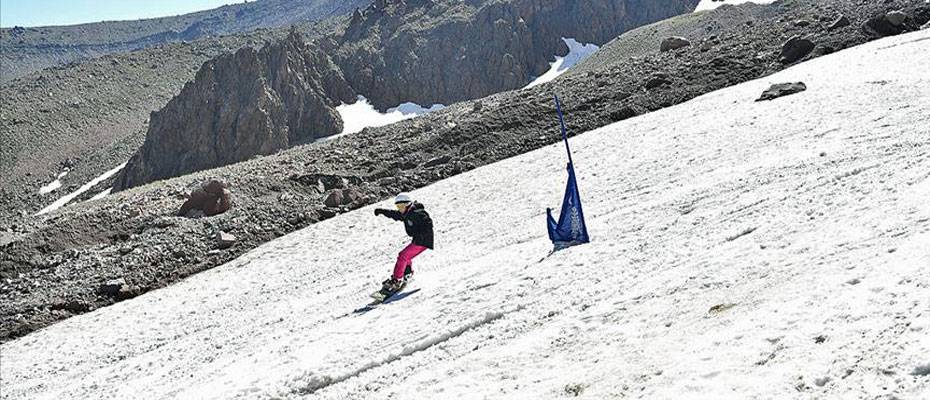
{"points": [[781, 90], [795, 49], [239, 106], [673, 43], [450, 51], [210, 199], [840, 22]]}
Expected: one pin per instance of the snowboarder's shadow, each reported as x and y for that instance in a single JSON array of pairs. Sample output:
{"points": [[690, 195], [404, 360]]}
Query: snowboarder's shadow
{"points": [[391, 299]]}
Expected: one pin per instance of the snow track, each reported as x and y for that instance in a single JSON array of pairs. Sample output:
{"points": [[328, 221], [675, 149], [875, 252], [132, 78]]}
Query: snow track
{"points": [[740, 250]]}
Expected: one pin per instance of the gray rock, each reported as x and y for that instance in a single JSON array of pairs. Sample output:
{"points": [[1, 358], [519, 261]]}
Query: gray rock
{"points": [[658, 80], [896, 18], [73, 306], [111, 288], [674, 43], [801, 23], [333, 198], [926, 26], [239, 106], [444, 159], [781, 90], [840, 22], [795, 49], [225, 240]]}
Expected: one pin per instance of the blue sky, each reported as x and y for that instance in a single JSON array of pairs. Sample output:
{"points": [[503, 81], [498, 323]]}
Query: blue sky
{"points": [[69, 12]]}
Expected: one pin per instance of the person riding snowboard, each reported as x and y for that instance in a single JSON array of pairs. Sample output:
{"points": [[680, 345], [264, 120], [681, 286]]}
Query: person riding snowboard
{"points": [[419, 226]]}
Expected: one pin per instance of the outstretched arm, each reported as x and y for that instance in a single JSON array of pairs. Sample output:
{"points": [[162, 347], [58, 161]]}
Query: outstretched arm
{"points": [[392, 214]]}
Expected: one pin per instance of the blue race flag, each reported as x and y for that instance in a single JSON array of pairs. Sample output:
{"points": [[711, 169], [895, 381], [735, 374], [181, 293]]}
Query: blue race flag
{"points": [[570, 229]]}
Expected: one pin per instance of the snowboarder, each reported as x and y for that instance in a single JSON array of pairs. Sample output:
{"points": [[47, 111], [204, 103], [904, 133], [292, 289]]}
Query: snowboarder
{"points": [[419, 226]]}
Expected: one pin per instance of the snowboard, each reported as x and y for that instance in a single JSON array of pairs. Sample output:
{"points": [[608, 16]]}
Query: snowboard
{"points": [[382, 295]]}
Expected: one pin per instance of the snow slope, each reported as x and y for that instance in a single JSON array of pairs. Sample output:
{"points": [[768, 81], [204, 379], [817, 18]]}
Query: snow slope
{"points": [[577, 52], [740, 250], [705, 5]]}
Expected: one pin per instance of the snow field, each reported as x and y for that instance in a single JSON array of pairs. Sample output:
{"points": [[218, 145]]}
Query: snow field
{"points": [[577, 52], [740, 250], [362, 114], [705, 5]]}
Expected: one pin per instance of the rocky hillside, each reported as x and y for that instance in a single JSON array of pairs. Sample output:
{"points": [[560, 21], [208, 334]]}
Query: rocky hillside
{"points": [[31, 49], [252, 102], [426, 51], [66, 265]]}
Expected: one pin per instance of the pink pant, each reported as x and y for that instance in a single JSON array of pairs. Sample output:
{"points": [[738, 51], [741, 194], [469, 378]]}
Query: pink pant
{"points": [[405, 258]]}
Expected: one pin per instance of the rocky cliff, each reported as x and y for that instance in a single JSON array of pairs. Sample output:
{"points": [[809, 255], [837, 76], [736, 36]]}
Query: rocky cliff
{"points": [[393, 51], [252, 102], [443, 51]]}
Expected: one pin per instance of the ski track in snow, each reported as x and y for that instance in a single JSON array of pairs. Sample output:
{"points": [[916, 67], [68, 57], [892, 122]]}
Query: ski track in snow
{"points": [[739, 250]]}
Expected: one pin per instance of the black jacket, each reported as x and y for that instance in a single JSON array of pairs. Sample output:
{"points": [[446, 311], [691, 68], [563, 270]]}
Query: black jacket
{"points": [[417, 222]]}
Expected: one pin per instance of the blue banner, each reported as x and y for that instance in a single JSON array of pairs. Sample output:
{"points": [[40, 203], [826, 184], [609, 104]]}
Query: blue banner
{"points": [[570, 229]]}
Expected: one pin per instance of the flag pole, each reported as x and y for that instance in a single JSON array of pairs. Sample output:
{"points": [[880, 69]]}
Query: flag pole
{"points": [[558, 107]]}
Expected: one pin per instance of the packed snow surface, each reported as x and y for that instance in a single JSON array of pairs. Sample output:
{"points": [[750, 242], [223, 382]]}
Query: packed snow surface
{"points": [[362, 114], [53, 184], [577, 52], [705, 5], [741, 250], [87, 186]]}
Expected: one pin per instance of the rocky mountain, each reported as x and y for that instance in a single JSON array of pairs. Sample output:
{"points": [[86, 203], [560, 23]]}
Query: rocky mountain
{"points": [[252, 102], [440, 51], [61, 266], [25, 50], [393, 51]]}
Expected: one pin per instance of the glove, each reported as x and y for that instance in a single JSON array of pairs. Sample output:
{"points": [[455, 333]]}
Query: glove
{"points": [[378, 212]]}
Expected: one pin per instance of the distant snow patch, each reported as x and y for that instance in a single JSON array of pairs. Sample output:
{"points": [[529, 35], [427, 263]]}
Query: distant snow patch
{"points": [[705, 5], [87, 186], [53, 184], [577, 52], [101, 195], [362, 114]]}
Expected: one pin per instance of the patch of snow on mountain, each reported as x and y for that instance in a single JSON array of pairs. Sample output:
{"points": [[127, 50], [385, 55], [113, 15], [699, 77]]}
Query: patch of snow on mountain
{"points": [[87, 186], [53, 184], [362, 114], [577, 52], [101, 195], [705, 5], [739, 250]]}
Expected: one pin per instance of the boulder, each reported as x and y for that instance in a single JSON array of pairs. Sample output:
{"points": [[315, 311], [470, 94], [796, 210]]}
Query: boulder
{"points": [[896, 18], [72, 306], [795, 49], [657, 80], [342, 197], [840, 22], [781, 90], [333, 198], [926, 26], [210, 199], [118, 289], [882, 25], [225, 240], [674, 43]]}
